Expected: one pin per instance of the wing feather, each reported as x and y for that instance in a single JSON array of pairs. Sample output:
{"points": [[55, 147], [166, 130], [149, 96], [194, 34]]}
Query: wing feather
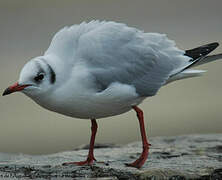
{"points": [[117, 53], [114, 52]]}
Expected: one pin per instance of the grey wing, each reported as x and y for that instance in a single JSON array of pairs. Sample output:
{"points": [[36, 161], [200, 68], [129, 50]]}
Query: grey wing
{"points": [[117, 53]]}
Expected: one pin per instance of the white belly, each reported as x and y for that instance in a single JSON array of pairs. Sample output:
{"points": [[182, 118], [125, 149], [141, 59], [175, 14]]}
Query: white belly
{"points": [[116, 99]]}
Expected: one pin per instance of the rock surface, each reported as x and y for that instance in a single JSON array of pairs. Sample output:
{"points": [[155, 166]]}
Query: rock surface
{"points": [[179, 157]]}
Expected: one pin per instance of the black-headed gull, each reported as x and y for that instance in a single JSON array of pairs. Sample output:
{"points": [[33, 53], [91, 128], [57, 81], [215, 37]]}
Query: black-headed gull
{"points": [[100, 69]]}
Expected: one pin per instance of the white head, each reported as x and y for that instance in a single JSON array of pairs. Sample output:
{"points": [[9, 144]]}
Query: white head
{"points": [[36, 78]]}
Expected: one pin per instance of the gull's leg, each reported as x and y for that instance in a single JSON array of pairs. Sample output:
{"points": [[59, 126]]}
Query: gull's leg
{"points": [[143, 157], [90, 158]]}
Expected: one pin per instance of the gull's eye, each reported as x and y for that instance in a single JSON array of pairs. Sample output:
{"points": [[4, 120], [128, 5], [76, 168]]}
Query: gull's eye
{"points": [[39, 77]]}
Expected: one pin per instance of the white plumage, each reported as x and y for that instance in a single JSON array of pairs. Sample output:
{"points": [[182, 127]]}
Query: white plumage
{"points": [[100, 69], [103, 68]]}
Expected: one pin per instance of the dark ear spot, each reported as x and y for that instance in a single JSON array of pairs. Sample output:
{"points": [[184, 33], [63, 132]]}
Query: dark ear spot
{"points": [[52, 75]]}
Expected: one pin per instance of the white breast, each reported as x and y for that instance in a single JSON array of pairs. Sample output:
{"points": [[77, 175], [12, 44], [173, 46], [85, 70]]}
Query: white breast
{"points": [[78, 98]]}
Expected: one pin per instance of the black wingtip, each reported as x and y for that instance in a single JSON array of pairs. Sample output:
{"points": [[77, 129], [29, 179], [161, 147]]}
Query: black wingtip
{"points": [[212, 46], [201, 51], [216, 44]]}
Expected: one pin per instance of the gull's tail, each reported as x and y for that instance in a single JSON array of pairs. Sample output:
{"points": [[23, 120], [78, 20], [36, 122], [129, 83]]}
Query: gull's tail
{"points": [[198, 56]]}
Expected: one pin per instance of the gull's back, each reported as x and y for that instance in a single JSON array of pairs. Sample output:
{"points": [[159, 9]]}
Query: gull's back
{"points": [[113, 52]]}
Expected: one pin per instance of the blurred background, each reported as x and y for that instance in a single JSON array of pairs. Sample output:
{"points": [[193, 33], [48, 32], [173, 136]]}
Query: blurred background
{"points": [[184, 107]]}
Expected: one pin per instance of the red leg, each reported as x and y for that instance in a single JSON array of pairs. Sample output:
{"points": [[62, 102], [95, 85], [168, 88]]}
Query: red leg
{"points": [[90, 159], [143, 157]]}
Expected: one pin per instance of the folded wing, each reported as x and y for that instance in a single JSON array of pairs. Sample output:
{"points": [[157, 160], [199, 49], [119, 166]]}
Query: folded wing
{"points": [[116, 53]]}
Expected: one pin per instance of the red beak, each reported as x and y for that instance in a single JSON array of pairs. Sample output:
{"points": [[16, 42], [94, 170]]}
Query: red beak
{"points": [[15, 87]]}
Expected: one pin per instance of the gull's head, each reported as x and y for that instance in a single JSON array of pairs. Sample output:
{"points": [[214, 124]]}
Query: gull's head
{"points": [[36, 78]]}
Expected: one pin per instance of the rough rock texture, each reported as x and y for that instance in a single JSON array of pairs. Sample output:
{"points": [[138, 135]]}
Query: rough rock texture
{"points": [[181, 157]]}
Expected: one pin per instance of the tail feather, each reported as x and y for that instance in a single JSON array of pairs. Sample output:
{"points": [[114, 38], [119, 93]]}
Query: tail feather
{"points": [[189, 73], [208, 59], [198, 56]]}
